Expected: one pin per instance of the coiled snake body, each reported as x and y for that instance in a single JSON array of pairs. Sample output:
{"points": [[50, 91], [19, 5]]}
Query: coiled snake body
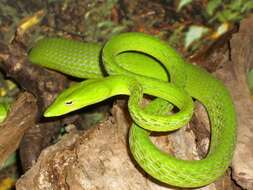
{"points": [[138, 63]]}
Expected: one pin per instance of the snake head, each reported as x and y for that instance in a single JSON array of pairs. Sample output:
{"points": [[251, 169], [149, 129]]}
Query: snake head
{"points": [[78, 96]]}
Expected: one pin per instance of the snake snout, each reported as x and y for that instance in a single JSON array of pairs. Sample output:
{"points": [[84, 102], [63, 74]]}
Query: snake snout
{"points": [[78, 96]]}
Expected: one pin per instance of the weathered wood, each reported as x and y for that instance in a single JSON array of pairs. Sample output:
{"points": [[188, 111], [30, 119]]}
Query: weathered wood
{"points": [[22, 115]]}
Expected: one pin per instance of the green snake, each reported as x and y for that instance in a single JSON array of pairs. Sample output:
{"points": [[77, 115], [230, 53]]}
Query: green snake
{"points": [[135, 64]]}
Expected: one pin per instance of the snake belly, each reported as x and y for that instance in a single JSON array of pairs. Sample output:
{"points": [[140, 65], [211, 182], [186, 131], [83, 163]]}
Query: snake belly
{"points": [[82, 60]]}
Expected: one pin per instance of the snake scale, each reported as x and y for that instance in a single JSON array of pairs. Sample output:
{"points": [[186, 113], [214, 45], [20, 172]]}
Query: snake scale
{"points": [[135, 64]]}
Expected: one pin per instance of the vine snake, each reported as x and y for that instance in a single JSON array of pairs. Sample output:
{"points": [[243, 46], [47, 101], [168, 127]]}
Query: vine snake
{"points": [[137, 63]]}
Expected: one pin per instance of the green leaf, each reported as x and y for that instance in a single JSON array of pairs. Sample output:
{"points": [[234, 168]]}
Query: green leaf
{"points": [[194, 33], [247, 6], [183, 3], [229, 15], [10, 161], [236, 5], [212, 6], [3, 112], [250, 80], [105, 24]]}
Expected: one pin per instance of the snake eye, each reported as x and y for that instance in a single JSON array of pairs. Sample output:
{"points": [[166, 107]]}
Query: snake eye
{"points": [[69, 102]]}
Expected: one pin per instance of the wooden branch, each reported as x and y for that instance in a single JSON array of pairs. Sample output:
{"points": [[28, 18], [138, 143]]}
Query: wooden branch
{"points": [[22, 115]]}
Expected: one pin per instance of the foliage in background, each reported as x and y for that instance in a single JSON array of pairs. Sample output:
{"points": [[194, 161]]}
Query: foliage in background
{"points": [[220, 13], [98, 22]]}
